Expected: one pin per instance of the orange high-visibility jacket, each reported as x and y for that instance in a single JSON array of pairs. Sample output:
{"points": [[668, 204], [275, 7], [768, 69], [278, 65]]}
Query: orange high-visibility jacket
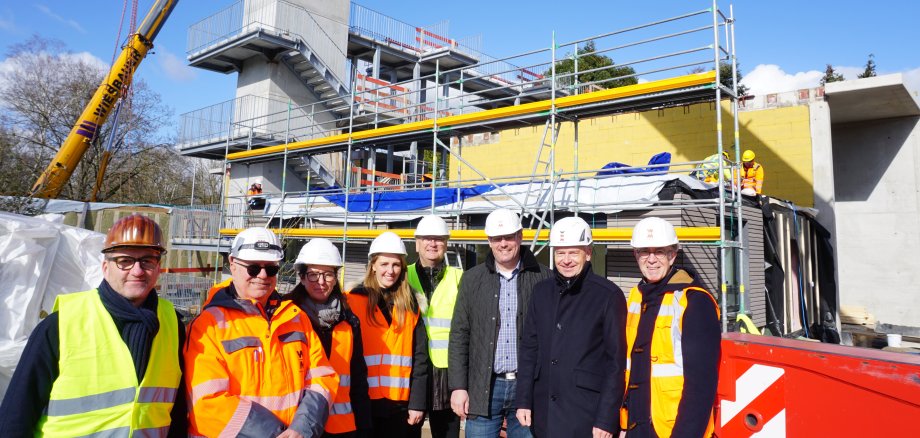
{"points": [[342, 418], [246, 373], [752, 178], [387, 351]]}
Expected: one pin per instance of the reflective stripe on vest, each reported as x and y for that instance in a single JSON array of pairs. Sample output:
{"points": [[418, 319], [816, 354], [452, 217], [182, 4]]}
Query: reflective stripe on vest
{"points": [[387, 351], [97, 393], [439, 312], [341, 419], [667, 375]]}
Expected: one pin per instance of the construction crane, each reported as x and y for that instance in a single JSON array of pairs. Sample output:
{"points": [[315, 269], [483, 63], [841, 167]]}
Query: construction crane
{"points": [[52, 180]]}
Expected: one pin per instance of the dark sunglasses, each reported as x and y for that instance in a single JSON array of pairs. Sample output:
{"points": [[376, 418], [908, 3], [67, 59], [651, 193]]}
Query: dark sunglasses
{"points": [[254, 270]]}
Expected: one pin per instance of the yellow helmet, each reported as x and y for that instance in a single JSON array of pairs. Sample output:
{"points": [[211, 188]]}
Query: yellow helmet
{"points": [[748, 155]]}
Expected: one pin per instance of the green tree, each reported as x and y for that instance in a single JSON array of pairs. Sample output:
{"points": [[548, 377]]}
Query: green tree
{"points": [[830, 75], [601, 70], [725, 76], [869, 69]]}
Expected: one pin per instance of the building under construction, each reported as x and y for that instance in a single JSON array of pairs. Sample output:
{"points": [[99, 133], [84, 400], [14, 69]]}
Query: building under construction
{"points": [[354, 122]]}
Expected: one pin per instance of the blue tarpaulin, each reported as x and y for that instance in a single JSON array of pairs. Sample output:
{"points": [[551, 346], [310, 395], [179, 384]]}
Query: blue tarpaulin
{"points": [[615, 168], [406, 200]]}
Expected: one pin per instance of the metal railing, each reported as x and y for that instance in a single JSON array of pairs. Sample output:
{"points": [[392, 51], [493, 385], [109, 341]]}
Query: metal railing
{"points": [[192, 223], [185, 292], [419, 39], [277, 16], [244, 116]]}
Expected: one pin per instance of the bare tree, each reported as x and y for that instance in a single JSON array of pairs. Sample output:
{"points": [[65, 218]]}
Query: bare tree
{"points": [[44, 93]]}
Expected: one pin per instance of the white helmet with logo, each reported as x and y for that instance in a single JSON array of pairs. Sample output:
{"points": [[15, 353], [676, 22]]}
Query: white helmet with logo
{"points": [[570, 231], [387, 242], [319, 251], [502, 222], [653, 232], [257, 244], [432, 225]]}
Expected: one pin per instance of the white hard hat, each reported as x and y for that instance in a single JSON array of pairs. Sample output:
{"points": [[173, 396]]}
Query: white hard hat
{"points": [[387, 242], [319, 251], [653, 232], [502, 222], [748, 192], [432, 225], [570, 231], [257, 244]]}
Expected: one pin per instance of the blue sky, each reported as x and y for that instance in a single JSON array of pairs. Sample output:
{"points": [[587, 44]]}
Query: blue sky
{"points": [[782, 44]]}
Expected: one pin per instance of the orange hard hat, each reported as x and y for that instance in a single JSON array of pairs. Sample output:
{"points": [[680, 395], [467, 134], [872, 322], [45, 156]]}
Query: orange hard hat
{"points": [[135, 231]]}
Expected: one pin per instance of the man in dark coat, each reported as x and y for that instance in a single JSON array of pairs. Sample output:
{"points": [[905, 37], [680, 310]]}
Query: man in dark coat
{"points": [[484, 332], [573, 351]]}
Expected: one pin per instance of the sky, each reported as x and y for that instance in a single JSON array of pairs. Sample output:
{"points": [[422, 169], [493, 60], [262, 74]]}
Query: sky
{"points": [[782, 45]]}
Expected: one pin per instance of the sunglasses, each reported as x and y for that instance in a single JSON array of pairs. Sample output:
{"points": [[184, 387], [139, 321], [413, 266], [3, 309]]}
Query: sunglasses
{"points": [[254, 270]]}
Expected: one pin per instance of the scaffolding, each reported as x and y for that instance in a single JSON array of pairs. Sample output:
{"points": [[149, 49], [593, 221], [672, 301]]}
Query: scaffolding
{"points": [[667, 63]]}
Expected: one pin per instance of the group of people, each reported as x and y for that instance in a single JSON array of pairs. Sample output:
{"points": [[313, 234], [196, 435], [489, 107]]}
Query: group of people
{"points": [[549, 353], [752, 172]]}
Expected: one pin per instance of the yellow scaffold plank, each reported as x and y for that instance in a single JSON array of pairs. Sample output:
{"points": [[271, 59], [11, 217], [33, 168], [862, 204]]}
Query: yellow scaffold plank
{"points": [[691, 80], [684, 234]]}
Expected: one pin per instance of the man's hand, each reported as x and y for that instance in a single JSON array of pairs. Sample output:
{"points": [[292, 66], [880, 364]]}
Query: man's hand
{"points": [[523, 417], [290, 433], [460, 402], [415, 417], [600, 433]]}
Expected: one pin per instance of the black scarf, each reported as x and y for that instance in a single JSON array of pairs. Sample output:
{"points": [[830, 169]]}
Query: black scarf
{"points": [[137, 325], [430, 277]]}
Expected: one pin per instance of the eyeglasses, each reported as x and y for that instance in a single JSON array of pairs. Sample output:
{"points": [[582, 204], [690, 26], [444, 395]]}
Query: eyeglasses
{"points": [[254, 270], [126, 263], [660, 253], [315, 276]]}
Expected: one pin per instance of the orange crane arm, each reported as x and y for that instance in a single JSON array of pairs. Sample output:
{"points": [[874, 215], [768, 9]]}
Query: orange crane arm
{"points": [[52, 180]]}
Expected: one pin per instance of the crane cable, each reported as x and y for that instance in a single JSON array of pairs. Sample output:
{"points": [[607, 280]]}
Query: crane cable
{"points": [[126, 98]]}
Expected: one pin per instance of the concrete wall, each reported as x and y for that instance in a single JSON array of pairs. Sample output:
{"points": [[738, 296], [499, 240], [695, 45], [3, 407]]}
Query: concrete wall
{"points": [[781, 137], [877, 175]]}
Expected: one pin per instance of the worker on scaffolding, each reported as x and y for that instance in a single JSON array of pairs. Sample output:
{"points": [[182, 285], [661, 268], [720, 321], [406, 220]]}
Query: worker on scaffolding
{"points": [[395, 341], [339, 330], [484, 340], [256, 200], [751, 174], [573, 334], [431, 277], [708, 170], [673, 336], [255, 367], [109, 360]]}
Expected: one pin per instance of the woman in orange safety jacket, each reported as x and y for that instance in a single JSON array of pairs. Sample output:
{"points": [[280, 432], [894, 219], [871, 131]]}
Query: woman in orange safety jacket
{"points": [[395, 341], [339, 330], [254, 365]]}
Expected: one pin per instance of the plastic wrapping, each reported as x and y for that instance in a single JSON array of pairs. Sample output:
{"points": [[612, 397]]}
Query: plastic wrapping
{"points": [[39, 259]]}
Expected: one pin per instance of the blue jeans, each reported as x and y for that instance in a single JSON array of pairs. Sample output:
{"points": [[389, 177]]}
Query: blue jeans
{"points": [[501, 407]]}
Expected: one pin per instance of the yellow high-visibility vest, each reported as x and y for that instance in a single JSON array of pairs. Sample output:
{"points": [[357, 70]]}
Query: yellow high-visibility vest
{"points": [[667, 372], [97, 391], [439, 312]]}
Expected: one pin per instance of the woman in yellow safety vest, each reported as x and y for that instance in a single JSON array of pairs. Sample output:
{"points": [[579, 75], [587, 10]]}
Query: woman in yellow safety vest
{"points": [[339, 330], [394, 340]]}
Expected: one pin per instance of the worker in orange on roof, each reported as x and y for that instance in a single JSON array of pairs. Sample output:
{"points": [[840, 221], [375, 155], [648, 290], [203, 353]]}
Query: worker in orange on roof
{"points": [[255, 367], [751, 173]]}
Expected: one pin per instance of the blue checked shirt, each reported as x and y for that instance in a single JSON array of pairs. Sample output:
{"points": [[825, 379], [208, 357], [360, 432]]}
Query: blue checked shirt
{"points": [[506, 348]]}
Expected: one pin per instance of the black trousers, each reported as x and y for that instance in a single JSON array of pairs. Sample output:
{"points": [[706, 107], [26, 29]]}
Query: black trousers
{"points": [[444, 424]]}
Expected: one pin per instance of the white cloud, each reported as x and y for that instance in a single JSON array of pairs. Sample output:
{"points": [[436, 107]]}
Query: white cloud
{"points": [[770, 78], [174, 66], [72, 23], [7, 23], [87, 58]]}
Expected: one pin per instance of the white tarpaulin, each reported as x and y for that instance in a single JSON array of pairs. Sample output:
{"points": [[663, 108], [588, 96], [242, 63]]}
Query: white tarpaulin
{"points": [[598, 194], [39, 259]]}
